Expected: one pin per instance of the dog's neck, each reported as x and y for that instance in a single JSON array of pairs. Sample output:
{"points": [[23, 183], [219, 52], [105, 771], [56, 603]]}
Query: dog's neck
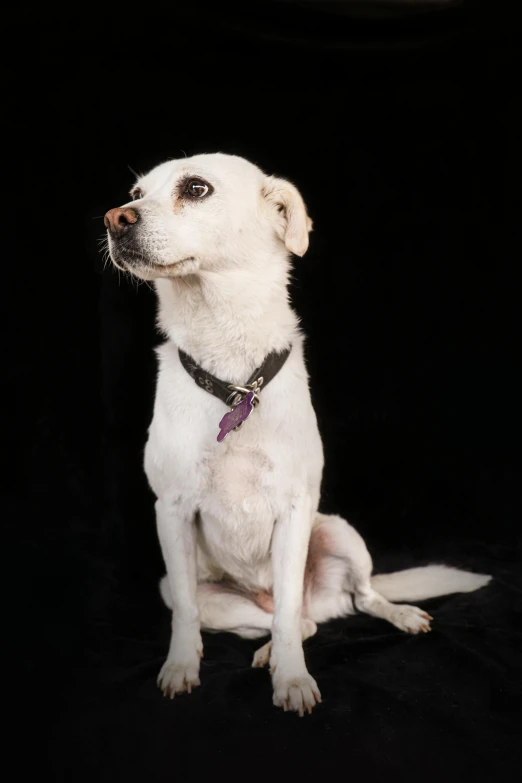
{"points": [[229, 320]]}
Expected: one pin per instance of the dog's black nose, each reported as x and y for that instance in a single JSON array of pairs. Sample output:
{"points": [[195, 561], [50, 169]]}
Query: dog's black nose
{"points": [[118, 221]]}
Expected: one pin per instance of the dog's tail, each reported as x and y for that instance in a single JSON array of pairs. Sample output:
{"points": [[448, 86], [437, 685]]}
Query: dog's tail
{"points": [[417, 584]]}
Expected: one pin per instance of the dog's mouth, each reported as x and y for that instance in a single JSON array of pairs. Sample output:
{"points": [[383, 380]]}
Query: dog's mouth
{"points": [[140, 265]]}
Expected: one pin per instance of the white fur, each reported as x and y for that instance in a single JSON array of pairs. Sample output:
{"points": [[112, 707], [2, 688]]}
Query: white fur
{"points": [[245, 509], [417, 584]]}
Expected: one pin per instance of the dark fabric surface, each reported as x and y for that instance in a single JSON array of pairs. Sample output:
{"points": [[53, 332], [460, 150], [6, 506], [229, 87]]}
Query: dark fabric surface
{"points": [[400, 129]]}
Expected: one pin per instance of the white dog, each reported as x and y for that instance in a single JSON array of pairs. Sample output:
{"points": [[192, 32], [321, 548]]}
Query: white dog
{"points": [[245, 547]]}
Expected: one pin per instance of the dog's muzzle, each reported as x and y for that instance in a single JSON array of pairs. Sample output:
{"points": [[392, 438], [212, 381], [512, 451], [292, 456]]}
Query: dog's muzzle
{"points": [[122, 224]]}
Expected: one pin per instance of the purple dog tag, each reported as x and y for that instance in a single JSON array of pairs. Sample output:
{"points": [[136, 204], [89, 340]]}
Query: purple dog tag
{"points": [[235, 417]]}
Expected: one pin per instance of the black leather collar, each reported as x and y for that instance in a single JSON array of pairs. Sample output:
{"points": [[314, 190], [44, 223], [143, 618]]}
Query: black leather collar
{"points": [[227, 391]]}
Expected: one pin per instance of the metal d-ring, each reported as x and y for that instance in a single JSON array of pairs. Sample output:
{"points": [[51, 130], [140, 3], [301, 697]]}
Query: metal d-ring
{"points": [[240, 392]]}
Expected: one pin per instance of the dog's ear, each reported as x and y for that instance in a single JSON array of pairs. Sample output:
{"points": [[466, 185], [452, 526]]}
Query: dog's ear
{"points": [[292, 222]]}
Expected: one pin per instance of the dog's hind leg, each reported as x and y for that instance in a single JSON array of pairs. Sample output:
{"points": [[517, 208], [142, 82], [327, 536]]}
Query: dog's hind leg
{"points": [[222, 609], [339, 566]]}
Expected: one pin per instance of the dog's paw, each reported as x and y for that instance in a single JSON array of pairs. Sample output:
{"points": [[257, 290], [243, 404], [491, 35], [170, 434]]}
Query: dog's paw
{"points": [[297, 693], [179, 676], [411, 619], [308, 628], [262, 656]]}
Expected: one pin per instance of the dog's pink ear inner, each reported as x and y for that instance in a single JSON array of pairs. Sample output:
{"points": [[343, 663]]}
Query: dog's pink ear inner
{"points": [[296, 224]]}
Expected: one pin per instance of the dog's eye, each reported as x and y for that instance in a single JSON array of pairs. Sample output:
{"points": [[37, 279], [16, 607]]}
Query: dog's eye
{"points": [[197, 188], [136, 194]]}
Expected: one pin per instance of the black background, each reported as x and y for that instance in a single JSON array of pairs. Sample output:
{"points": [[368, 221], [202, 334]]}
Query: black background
{"points": [[399, 127]]}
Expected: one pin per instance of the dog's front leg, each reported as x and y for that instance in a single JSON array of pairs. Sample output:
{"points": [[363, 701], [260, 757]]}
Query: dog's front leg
{"points": [[177, 535], [294, 688]]}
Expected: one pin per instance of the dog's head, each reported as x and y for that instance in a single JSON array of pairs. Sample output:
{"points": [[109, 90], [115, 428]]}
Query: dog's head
{"points": [[202, 213]]}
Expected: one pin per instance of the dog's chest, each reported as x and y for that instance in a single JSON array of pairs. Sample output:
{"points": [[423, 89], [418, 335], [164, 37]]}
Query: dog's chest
{"points": [[238, 503]]}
